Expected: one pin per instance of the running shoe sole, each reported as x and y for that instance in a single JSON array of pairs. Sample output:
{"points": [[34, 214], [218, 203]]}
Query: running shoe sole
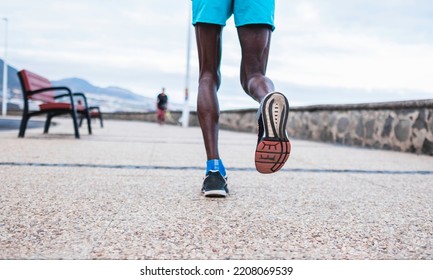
{"points": [[273, 149], [215, 193]]}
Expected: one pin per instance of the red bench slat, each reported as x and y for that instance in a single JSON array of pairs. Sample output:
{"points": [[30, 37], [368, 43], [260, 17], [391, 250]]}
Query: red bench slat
{"points": [[60, 105], [34, 82]]}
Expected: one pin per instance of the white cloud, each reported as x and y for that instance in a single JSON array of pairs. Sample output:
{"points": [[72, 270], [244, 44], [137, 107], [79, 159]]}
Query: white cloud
{"points": [[139, 44], [307, 12], [355, 61], [354, 45]]}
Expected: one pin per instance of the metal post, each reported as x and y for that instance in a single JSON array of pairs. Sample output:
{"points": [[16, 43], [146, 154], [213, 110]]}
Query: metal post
{"points": [[5, 72], [185, 113]]}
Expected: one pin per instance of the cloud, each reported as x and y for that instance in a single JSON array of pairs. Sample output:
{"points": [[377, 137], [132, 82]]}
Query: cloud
{"points": [[354, 61], [354, 45], [306, 12], [357, 46]]}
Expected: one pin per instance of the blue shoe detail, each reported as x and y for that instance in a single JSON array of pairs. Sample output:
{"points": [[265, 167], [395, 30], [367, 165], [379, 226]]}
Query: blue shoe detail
{"points": [[215, 165]]}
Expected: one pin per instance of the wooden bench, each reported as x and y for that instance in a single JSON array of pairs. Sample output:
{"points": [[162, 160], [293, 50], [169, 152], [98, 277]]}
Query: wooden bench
{"points": [[38, 88]]}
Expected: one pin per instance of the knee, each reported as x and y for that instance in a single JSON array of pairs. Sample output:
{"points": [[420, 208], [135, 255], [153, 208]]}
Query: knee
{"points": [[210, 79]]}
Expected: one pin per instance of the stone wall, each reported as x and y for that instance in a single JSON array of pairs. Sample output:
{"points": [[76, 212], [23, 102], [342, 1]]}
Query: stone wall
{"points": [[172, 117], [400, 126]]}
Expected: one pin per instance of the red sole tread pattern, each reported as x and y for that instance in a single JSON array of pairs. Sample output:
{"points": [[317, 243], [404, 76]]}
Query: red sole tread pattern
{"points": [[271, 155]]}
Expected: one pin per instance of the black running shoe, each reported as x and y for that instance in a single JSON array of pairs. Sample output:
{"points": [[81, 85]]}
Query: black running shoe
{"points": [[273, 145], [215, 185]]}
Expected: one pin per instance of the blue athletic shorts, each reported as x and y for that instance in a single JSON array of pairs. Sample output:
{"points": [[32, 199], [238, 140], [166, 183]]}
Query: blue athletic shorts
{"points": [[244, 11]]}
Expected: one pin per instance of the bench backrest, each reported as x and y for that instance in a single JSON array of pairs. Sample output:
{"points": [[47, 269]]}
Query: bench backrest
{"points": [[31, 82]]}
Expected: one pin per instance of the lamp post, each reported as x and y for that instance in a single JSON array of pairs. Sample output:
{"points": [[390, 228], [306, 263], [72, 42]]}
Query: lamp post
{"points": [[5, 71], [185, 113]]}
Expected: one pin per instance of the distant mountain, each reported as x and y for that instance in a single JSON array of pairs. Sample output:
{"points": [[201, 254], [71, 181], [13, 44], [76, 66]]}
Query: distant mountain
{"points": [[13, 81], [81, 85], [110, 99]]}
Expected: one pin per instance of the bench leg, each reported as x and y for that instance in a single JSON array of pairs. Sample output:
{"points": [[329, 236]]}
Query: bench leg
{"points": [[75, 122], [89, 125], [100, 120], [48, 123], [99, 115], [81, 120], [23, 126]]}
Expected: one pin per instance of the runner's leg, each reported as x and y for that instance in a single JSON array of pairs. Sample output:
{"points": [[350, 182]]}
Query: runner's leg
{"points": [[209, 53], [255, 40]]}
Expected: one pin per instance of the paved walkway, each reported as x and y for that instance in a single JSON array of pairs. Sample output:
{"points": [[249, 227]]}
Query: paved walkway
{"points": [[132, 191]]}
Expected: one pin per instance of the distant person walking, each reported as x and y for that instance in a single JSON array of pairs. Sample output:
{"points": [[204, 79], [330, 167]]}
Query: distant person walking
{"points": [[161, 106], [254, 21]]}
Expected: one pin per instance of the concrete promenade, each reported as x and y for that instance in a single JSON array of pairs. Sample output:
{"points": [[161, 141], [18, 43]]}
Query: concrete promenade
{"points": [[132, 191]]}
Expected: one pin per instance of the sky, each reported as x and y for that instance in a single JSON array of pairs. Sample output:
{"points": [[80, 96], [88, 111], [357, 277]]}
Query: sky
{"points": [[322, 51]]}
